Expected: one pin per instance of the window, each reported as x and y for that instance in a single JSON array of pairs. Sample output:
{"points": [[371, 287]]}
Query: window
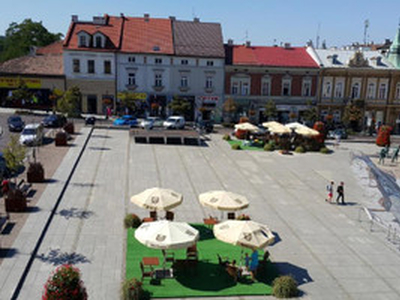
{"points": [[99, 41], [158, 80], [355, 91], [286, 86], [327, 89], [371, 91], [82, 41], [107, 67], [265, 87], [397, 94], [131, 59], [184, 62], [339, 90], [209, 82], [158, 61], [131, 79], [184, 81], [245, 88], [240, 85], [306, 89], [90, 66], [210, 63], [235, 88], [76, 66], [382, 91]]}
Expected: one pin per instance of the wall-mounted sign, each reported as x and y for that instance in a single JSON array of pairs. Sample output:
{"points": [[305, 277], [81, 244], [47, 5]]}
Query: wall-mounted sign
{"points": [[140, 96], [13, 82], [208, 99]]}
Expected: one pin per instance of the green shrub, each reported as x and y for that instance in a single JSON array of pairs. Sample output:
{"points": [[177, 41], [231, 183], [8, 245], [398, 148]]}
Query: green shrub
{"points": [[325, 150], [236, 147], [226, 137], [269, 147], [132, 221], [285, 287], [132, 289], [300, 149]]}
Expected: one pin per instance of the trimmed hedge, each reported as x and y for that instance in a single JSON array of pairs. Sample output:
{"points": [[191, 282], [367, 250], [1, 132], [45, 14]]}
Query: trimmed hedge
{"points": [[236, 147], [300, 149], [285, 287]]}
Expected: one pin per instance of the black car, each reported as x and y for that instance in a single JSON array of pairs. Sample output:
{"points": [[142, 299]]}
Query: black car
{"points": [[54, 121], [15, 123], [206, 125], [90, 120], [340, 132]]}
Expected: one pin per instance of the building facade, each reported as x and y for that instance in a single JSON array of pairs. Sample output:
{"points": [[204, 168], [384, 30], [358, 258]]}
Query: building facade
{"points": [[256, 75]]}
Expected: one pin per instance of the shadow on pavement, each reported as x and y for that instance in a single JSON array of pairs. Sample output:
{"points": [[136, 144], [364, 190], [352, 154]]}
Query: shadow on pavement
{"points": [[56, 257], [75, 213], [8, 252], [300, 274]]}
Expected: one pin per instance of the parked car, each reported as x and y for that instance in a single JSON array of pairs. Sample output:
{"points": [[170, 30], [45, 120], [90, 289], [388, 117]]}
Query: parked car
{"points": [[175, 122], [126, 120], [54, 121], [32, 135], [151, 122], [90, 120], [206, 125], [339, 131], [15, 123]]}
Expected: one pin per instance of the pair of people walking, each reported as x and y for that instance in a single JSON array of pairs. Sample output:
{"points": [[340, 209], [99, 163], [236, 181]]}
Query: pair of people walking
{"points": [[339, 191]]}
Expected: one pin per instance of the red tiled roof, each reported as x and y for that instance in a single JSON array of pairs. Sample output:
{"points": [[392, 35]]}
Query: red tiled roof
{"points": [[112, 30], [55, 48], [50, 64], [145, 35], [296, 57]]}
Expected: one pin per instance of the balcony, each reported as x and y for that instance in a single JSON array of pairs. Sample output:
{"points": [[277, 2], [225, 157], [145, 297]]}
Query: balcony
{"points": [[158, 88], [131, 87], [209, 90], [184, 88]]}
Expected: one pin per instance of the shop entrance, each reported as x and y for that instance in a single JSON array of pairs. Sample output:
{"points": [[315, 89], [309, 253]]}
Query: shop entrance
{"points": [[92, 104]]}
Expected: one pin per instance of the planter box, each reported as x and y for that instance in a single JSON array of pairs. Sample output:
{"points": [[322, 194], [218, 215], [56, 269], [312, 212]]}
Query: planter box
{"points": [[69, 128], [61, 139], [35, 173], [15, 201]]}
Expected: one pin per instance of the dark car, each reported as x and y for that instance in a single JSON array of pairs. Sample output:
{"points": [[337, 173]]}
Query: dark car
{"points": [[90, 120], [341, 132], [54, 121], [206, 125], [15, 123]]}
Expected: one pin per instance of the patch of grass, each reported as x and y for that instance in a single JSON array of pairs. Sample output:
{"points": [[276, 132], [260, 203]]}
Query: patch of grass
{"points": [[256, 147]]}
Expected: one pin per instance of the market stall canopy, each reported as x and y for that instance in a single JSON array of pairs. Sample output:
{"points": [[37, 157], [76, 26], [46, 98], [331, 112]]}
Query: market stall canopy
{"points": [[275, 127], [246, 234], [167, 235], [247, 126], [157, 199], [223, 200]]}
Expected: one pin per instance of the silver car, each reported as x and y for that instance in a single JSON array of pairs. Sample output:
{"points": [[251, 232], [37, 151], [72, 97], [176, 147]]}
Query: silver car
{"points": [[151, 122]]}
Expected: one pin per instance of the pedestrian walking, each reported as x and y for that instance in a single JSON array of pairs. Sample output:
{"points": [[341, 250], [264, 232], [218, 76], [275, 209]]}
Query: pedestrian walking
{"points": [[382, 156], [340, 191], [396, 154], [329, 188]]}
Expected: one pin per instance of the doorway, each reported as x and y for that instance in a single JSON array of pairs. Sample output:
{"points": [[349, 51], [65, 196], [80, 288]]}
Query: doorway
{"points": [[92, 104]]}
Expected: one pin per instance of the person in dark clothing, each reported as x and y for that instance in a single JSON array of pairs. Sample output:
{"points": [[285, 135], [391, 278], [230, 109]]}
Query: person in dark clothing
{"points": [[340, 191]]}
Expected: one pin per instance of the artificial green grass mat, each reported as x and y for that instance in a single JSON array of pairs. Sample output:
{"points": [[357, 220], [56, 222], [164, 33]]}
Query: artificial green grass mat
{"points": [[258, 147], [206, 279]]}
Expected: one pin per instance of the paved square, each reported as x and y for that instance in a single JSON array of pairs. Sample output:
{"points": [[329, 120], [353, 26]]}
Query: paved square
{"points": [[332, 254]]}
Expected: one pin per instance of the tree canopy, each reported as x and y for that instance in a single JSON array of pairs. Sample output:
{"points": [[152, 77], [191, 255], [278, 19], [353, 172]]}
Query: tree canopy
{"points": [[270, 111], [70, 102], [179, 105], [20, 37]]}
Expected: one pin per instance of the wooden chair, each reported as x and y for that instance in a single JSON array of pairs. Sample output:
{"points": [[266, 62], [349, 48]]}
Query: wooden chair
{"points": [[149, 273], [153, 214], [231, 216], [192, 253], [233, 271], [168, 256], [169, 215]]}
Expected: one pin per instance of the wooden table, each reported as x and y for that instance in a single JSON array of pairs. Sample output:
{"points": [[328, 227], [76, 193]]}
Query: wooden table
{"points": [[150, 261], [210, 222]]}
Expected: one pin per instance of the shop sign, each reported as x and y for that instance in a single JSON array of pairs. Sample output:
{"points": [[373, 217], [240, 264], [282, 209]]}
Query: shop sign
{"points": [[140, 96], [208, 99], [12, 82]]}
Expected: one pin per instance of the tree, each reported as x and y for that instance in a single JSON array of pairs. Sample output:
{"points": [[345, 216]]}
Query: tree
{"points": [[70, 102], [20, 37], [179, 106], [22, 92], [352, 115], [229, 108], [129, 100], [14, 154], [311, 114], [55, 96], [270, 111]]}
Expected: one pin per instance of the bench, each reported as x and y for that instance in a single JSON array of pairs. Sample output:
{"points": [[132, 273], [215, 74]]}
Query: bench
{"points": [[24, 187]]}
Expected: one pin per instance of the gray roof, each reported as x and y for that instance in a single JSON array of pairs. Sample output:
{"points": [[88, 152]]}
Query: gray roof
{"points": [[338, 58], [198, 39]]}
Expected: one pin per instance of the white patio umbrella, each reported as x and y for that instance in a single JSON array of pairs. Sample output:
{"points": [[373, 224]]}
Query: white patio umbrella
{"points": [[223, 200], [157, 199], [246, 234], [247, 126], [295, 125], [306, 131], [167, 235], [275, 127]]}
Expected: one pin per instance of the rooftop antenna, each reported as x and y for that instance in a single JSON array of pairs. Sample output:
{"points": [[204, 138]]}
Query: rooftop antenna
{"points": [[366, 25], [317, 40]]}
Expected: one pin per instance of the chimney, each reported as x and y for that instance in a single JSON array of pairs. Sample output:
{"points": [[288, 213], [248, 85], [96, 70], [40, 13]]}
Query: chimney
{"points": [[99, 20], [122, 15], [248, 44], [230, 42], [172, 18], [286, 45], [74, 18], [196, 20], [146, 17]]}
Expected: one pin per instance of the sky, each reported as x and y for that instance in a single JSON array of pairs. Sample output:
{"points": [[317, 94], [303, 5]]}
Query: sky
{"points": [[263, 22]]}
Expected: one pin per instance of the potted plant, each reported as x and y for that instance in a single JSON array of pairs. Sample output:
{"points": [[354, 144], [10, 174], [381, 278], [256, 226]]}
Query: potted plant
{"points": [[69, 128], [35, 172], [65, 283], [61, 138]]}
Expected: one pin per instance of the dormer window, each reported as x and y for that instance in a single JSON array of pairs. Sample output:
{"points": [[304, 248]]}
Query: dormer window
{"points": [[82, 41], [98, 42]]}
